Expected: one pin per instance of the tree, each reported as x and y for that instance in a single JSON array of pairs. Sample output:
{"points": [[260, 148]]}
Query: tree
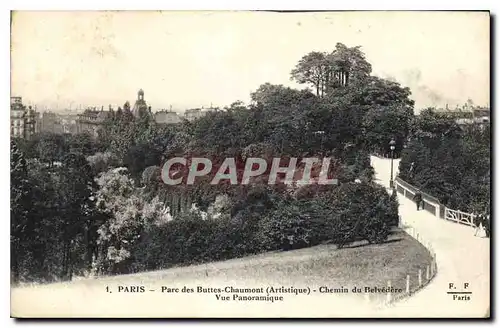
{"points": [[82, 143], [366, 211], [141, 156], [342, 67], [347, 66], [449, 162], [277, 95], [50, 148], [151, 180], [101, 162], [382, 92], [76, 185], [430, 126], [216, 133], [128, 214], [311, 69], [116, 198], [50, 210], [383, 123]]}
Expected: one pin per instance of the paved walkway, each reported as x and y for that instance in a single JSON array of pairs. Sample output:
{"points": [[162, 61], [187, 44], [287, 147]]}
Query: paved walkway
{"points": [[461, 257]]}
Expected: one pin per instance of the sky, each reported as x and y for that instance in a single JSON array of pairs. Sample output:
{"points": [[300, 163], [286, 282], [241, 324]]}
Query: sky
{"points": [[193, 59]]}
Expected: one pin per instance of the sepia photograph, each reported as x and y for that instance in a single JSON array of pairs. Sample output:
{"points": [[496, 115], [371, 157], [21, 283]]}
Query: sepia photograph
{"points": [[250, 164]]}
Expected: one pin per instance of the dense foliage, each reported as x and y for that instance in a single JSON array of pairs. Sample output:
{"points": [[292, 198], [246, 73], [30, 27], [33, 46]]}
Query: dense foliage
{"points": [[450, 162]]}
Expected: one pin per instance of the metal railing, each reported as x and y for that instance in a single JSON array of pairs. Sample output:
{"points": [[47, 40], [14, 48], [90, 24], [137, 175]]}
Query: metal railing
{"points": [[459, 217], [430, 203], [434, 206]]}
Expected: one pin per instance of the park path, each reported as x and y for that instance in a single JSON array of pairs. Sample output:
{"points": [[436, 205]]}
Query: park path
{"points": [[461, 258]]}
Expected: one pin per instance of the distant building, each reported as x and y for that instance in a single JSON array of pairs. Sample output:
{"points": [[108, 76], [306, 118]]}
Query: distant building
{"points": [[16, 101], [17, 112], [48, 122], [92, 119], [466, 111], [167, 117], [68, 123], [476, 120], [192, 114], [481, 112], [23, 121], [467, 114]]}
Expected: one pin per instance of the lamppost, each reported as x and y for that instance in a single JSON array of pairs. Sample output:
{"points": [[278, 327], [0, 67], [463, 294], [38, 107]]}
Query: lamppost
{"points": [[392, 146]]}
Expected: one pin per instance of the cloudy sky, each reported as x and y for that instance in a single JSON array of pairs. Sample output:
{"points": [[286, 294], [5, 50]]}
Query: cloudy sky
{"points": [[193, 59]]}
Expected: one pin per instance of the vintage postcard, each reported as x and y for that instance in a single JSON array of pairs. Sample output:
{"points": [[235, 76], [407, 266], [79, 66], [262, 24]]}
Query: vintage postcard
{"points": [[250, 164]]}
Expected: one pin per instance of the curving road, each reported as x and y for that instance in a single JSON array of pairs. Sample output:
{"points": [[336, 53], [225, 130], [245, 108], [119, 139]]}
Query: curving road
{"points": [[461, 257]]}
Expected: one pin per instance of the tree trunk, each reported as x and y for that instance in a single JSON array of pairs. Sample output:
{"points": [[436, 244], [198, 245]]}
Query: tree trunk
{"points": [[183, 205], [89, 243], [37, 251], [70, 261], [175, 204], [188, 201], [67, 265], [14, 261], [326, 80], [64, 261]]}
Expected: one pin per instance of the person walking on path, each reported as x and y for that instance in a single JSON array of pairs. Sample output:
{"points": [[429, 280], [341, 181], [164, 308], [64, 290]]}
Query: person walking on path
{"points": [[418, 199], [477, 220], [487, 227], [482, 223]]}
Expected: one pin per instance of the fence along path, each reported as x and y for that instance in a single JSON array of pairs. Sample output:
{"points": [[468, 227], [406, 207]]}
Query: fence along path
{"points": [[461, 258], [432, 205]]}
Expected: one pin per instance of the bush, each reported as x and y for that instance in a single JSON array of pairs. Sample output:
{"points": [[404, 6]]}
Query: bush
{"points": [[266, 221], [349, 213], [363, 212], [184, 240], [287, 226]]}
